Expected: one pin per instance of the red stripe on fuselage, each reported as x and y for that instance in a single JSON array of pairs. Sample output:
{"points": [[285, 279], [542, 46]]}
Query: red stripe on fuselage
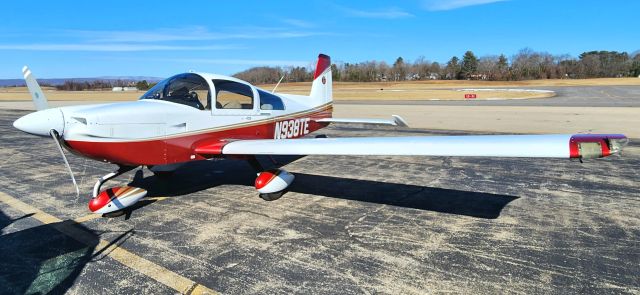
{"points": [[177, 149]]}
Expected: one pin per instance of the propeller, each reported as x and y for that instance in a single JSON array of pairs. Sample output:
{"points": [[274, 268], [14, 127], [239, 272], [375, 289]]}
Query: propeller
{"points": [[57, 139], [45, 119]]}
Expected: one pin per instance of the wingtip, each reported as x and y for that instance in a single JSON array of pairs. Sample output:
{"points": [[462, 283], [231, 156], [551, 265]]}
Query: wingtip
{"points": [[588, 146], [618, 144]]}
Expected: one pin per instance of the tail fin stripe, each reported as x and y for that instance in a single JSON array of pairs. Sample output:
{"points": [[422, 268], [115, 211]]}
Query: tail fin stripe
{"points": [[324, 62]]}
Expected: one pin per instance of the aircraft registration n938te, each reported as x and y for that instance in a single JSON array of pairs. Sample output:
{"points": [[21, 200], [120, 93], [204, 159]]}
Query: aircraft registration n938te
{"points": [[199, 116]]}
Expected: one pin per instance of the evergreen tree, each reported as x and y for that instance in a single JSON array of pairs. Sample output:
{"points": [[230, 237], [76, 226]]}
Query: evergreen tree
{"points": [[453, 68], [399, 69], [502, 68], [502, 62], [335, 73], [142, 85], [469, 65]]}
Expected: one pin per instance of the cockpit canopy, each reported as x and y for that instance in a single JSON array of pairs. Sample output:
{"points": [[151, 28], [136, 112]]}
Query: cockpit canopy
{"points": [[188, 89], [194, 90]]}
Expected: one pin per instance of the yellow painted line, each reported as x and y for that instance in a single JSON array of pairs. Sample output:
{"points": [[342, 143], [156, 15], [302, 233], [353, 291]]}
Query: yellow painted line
{"points": [[27, 209], [87, 218], [133, 261]]}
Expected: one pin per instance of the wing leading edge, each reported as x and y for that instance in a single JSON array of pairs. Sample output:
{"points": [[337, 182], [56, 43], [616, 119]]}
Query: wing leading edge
{"points": [[525, 146]]}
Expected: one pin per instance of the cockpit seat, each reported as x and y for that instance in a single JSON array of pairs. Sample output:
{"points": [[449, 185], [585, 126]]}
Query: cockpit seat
{"points": [[193, 100], [232, 105]]}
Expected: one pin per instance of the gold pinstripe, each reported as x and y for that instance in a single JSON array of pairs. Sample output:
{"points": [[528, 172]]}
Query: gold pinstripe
{"points": [[129, 192]]}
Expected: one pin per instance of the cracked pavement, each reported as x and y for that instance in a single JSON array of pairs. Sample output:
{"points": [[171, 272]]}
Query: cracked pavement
{"points": [[350, 225]]}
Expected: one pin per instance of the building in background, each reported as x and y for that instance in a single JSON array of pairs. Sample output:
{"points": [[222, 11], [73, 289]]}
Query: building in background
{"points": [[124, 89]]}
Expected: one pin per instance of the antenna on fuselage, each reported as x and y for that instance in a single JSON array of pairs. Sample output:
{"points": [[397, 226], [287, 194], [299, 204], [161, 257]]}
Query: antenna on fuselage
{"points": [[274, 88]]}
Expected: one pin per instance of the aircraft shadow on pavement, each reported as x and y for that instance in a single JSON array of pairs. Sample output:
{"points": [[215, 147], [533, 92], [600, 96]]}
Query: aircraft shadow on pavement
{"points": [[42, 259], [201, 175], [473, 204]]}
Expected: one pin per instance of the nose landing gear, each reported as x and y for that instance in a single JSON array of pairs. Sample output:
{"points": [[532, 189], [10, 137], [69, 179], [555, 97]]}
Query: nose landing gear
{"points": [[116, 198]]}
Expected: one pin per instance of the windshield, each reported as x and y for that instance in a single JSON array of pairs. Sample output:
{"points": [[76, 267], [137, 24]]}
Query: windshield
{"points": [[188, 89]]}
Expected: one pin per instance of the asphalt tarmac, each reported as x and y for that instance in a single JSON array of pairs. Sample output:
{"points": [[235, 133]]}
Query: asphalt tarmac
{"points": [[348, 225], [566, 96]]}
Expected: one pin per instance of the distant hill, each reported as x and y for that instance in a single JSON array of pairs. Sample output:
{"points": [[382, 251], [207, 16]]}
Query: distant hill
{"points": [[60, 81]]}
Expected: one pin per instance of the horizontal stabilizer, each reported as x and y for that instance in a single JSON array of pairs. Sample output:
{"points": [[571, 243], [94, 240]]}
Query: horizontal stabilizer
{"points": [[395, 121]]}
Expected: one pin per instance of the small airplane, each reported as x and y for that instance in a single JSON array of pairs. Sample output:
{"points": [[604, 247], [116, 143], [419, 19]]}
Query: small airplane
{"points": [[199, 116]]}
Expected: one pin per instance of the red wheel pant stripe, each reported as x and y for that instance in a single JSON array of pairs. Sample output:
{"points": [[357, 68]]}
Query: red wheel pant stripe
{"points": [[261, 182]]}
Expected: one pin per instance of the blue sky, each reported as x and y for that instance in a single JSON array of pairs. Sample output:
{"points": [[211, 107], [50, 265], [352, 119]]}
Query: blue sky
{"points": [[59, 39]]}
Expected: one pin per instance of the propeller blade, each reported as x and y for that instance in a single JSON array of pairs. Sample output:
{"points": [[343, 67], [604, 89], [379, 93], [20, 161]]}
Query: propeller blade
{"points": [[56, 138], [39, 99]]}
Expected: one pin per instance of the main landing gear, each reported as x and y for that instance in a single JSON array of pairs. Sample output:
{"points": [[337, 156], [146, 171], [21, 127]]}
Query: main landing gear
{"points": [[116, 198], [271, 184]]}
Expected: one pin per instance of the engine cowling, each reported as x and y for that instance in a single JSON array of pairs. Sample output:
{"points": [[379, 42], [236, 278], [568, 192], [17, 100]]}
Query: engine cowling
{"points": [[273, 181]]}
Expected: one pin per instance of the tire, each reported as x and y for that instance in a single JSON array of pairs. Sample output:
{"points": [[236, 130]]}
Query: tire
{"points": [[272, 196]]}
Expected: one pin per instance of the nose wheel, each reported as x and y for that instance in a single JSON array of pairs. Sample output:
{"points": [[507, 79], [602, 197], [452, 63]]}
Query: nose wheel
{"points": [[116, 198]]}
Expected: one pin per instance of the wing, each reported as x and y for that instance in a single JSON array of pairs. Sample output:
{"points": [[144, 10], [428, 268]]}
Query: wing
{"points": [[527, 146]]}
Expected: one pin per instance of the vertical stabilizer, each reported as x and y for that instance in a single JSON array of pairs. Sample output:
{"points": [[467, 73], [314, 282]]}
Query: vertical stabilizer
{"points": [[321, 88]]}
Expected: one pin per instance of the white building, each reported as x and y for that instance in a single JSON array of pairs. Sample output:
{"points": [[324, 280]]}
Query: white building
{"points": [[124, 89]]}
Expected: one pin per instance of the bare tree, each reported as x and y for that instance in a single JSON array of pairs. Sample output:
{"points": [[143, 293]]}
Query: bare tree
{"points": [[488, 67], [525, 64]]}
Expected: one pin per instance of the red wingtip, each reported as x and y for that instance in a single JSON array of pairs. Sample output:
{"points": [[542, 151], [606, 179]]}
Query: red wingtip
{"points": [[324, 62], [596, 145]]}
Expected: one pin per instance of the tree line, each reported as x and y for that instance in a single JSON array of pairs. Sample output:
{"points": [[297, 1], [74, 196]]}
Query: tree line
{"points": [[524, 65], [71, 85]]}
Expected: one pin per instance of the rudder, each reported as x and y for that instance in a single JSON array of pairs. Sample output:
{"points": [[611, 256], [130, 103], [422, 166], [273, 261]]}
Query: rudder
{"points": [[321, 88]]}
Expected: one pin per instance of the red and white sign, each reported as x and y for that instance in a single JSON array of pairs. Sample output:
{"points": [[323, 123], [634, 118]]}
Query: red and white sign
{"points": [[470, 96]]}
